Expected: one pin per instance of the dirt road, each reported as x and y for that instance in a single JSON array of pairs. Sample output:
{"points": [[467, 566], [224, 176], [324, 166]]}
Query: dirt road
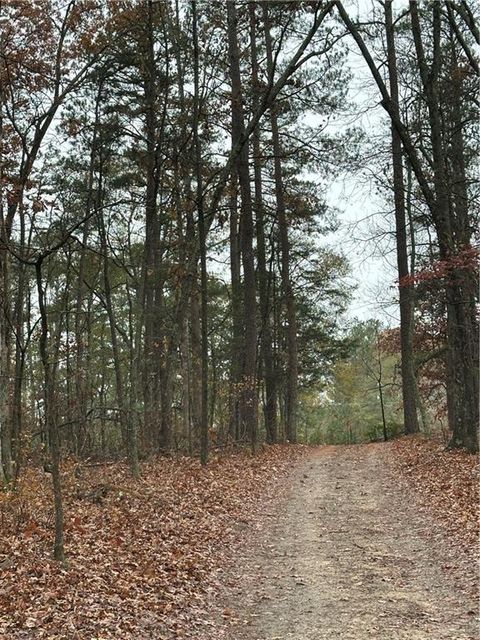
{"points": [[347, 555]]}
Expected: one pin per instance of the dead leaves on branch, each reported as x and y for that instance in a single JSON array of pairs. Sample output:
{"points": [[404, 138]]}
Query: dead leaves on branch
{"points": [[143, 558]]}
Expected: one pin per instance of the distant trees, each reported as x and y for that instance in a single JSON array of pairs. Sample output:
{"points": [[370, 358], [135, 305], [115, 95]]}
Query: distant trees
{"points": [[362, 398]]}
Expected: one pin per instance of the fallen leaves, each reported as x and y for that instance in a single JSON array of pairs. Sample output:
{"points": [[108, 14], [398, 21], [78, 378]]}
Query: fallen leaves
{"points": [[446, 482], [142, 561]]}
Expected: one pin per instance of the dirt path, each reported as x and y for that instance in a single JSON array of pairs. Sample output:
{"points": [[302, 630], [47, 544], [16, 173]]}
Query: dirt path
{"points": [[348, 556]]}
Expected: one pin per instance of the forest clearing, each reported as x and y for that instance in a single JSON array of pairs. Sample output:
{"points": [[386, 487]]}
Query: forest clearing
{"points": [[239, 319]]}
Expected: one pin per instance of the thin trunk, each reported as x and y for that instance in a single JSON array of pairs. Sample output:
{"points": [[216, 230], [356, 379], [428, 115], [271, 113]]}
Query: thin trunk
{"points": [[213, 393], [185, 360], [202, 243], [152, 344], [413, 256], [49, 416], [5, 357], [196, 363], [277, 346], [102, 395], [236, 349], [20, 353], [380, 386], [291, 399], [249, 383], [127, 422], [266, 354], [405, 288]]}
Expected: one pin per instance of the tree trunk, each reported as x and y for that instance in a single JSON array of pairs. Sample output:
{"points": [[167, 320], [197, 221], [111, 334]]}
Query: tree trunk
{"points": [[462, 330], [467, 279], [291, 397], [266, 353], [405, 288], [127, 422], [202, 245], [236, 349], [5, 364], [49, 416], [196, 362], [152, 346], [249, 386]]}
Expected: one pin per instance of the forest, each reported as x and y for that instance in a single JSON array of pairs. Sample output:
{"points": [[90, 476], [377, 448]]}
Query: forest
{"points": [[167, 293]]}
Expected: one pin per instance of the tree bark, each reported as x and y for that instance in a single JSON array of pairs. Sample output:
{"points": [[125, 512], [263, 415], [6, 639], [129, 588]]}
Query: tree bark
{"points": [[49, 416], [405, 289], [202, 244], [150, 301], [266, 353], [291, 397], [236, 347], [249, 382], [462, 330]]}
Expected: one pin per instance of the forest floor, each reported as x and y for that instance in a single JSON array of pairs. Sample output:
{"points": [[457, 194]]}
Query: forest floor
{"points": [[369, 541], [359, 549]]}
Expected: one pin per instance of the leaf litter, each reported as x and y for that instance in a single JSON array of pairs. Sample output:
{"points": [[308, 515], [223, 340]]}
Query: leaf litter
{"points": [[144, 557]]}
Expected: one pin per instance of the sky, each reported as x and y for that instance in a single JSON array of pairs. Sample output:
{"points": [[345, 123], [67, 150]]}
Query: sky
{"points": [[358, 207], [361, 210], [372, 274]]}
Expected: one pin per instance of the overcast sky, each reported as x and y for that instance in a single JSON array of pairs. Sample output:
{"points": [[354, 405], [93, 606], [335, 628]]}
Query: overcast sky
{"points": [[361, 210]]}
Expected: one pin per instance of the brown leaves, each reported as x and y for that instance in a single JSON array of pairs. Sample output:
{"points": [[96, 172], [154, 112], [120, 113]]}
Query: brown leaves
{"points": [[142, 562], [446, 483], [465, 260]]}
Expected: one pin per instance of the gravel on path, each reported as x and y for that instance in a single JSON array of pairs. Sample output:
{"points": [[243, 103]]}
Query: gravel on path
{"points": [[347, 555]]}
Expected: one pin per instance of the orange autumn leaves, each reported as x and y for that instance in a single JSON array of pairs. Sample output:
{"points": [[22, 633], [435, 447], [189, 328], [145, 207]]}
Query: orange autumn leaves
{"points": [[142, 557]]}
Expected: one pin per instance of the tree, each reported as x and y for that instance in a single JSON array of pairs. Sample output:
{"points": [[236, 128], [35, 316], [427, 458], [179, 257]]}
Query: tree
{"points": [[33, 89], [362, 400], [462, 375], [292, 365], [405, 288], [249, 384], [266, 350], [202, 243]]}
